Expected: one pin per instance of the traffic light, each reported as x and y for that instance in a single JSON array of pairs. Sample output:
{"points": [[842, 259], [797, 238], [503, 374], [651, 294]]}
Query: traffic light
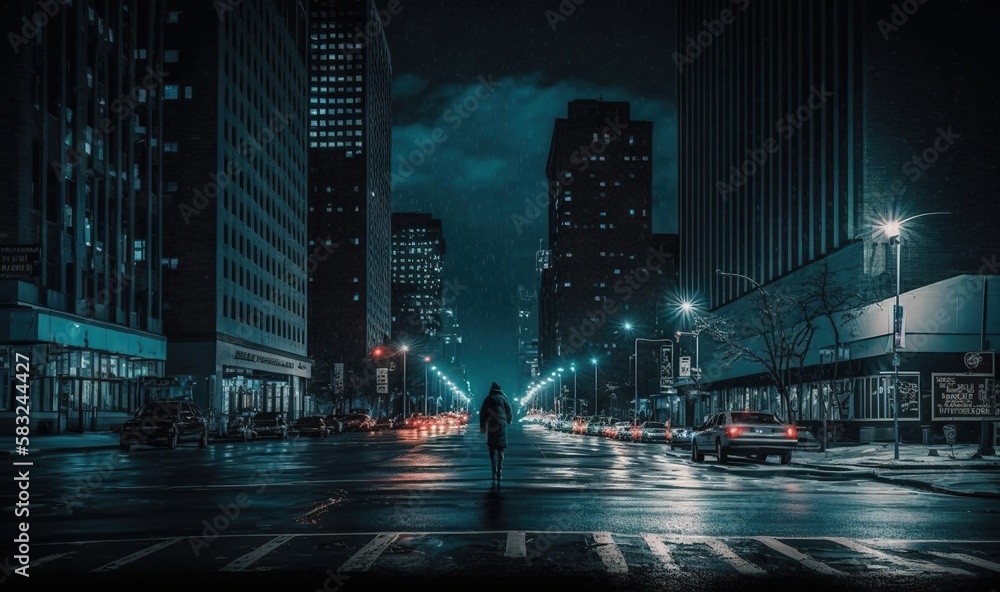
{"points": [[377, 352]]}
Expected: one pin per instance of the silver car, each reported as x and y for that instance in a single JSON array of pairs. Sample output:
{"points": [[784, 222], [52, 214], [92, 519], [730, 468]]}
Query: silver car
{"points": [[744, 433]]}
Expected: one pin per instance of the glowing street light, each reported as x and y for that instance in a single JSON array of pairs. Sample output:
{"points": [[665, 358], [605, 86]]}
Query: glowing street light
{"points": [[893, 230]]}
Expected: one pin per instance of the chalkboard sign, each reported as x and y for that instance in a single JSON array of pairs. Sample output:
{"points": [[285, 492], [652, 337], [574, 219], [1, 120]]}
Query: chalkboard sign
{"points": [[960, 397]]}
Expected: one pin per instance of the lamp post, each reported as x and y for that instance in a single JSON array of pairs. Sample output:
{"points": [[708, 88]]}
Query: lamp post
{"points": [[427, 362], [594, 362], [893, 230], [576, 409], [404, 349], [558, 400]]}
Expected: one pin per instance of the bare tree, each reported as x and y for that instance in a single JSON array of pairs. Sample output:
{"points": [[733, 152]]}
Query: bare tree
{"points": [[774, 326]]}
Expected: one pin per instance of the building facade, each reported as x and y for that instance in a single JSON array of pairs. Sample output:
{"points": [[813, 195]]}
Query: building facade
{"points": [[81, 238], [235, 172], [349, 189], [607, 270], [805, 127]]}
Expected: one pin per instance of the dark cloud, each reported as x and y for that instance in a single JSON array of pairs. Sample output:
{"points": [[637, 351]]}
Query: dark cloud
{"points": [[476, 93]]}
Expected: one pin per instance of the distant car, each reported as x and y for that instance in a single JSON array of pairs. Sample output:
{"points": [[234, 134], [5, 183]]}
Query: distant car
{"points": [[311, 425], [654, 431], [270, 424], [417, 421], [680, 438], [333, 423], [357, 422], [744, 433], [165, 422]]}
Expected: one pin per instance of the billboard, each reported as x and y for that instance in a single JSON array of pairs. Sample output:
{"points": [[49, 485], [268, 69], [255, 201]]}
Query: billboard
{"points": [[666, 365], [961, 397]]}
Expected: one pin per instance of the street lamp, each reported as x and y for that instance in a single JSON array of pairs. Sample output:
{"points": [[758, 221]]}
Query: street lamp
{"points": [[404, 349], [427, 362], [893, 230], [576, 409], [594, 362]]}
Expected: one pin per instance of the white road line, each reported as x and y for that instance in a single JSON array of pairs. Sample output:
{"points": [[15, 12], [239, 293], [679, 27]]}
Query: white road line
{"points": [[515, 545], [802, 558], [609, 553], [117, 563], [908, 564], [978, 562], [659, 548], [367, 555], [738, 563], [49, 558], [241, 563]]}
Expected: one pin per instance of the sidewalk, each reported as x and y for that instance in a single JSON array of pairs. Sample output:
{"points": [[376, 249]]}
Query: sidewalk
{"points": [[953, 470]]}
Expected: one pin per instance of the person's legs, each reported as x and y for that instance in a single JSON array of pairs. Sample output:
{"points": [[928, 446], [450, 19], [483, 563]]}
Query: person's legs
{"points": [[499, 467], [493, 462]]}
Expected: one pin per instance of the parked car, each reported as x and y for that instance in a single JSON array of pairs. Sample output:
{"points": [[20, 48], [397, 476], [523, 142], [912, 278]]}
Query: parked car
{"points": [[417, 421], [680, 438], [654, 431], [744, 433], [596, 427], [270, 424], [357, 422], [579, 425], [334, 425], [311, 425], [165, 422]]}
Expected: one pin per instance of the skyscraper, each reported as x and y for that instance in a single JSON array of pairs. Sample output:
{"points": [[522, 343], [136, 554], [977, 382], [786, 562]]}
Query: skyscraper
{"points": [[349, 186], [607, 270], [81, 190], [418, 249], [235, 168]]}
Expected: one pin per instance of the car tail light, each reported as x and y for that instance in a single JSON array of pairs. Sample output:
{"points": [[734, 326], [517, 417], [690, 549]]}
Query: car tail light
{"points": [[792, 432], [733, 431]]}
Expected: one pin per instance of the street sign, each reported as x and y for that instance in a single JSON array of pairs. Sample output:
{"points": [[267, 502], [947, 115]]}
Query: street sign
{"points": [[685, 366], [666, 365]]}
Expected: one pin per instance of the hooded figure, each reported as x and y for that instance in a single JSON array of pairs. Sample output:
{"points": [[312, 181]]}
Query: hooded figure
{"points": [[494, 415]]}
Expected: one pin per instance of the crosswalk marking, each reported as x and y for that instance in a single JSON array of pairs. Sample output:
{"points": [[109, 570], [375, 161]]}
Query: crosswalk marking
{"points": [[797, 555], [909, 564], [978, 562], [738, 563], [118, 563], [241, 563], [659, 548], [366, 556], [516, 546], [609, 553]]}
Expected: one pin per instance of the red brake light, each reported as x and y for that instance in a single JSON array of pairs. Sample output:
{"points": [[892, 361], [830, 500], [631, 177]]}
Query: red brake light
{"points": [[733, 431], [792, 432]]}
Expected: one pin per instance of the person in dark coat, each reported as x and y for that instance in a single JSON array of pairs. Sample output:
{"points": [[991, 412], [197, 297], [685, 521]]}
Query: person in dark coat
{"points": [[494, 415]]}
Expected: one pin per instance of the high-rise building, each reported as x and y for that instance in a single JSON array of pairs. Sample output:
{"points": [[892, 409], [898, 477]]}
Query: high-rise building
{"points": [[607, 270], [803, 127], [418, 249], [81, 191], [527, 336], [349, 187], [235, 164]]}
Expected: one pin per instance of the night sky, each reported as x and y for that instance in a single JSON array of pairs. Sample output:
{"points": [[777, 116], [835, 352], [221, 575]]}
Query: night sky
{"points": [[515, 68]]}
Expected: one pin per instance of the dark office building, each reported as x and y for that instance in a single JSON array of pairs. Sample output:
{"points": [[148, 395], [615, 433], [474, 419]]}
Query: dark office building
{"points": [[235, 167], [607, 270], [527, 336], [349, 191], [803, 127], [418, 249], [81, 194]]}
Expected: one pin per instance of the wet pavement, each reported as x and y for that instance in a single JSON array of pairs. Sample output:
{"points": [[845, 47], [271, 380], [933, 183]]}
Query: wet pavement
{"points": [[954, 470]]}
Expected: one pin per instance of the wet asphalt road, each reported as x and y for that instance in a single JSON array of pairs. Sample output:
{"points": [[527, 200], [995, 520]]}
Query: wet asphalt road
{"points": [[351, 487]]}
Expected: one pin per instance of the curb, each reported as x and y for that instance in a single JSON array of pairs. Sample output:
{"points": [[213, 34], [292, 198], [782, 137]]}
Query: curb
{"points": [[916, 484]]}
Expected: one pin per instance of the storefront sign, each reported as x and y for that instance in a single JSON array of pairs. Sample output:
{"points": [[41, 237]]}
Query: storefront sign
{"points": [[157, 381], [961, 397], [252, 357], [20, 262]]}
